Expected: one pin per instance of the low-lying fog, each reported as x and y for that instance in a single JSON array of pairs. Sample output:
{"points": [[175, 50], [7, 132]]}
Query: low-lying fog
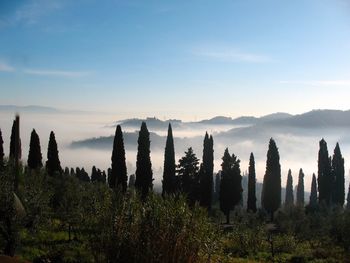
{"points": [[298, 147]]}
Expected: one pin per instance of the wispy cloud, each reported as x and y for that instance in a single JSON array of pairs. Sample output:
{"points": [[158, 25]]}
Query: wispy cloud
{"points": [[5, 67], [317, 83], [57, 73], [30, 12], [35, 9], [232, 55]]}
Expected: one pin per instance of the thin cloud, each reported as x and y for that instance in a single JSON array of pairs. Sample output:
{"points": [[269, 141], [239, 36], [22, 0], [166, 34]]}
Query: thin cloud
{"points": [[5, 67], [56, 73], [317, 83], [232, 55]]}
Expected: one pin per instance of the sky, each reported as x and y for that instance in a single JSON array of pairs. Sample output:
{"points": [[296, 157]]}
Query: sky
{"points": [[188, 59]]}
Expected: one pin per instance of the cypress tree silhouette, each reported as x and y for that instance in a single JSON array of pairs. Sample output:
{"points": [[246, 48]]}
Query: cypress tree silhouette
{"points": [[119, 177], [338, 193], [206, 178], [94, 174], [15, 141], [217, 186], [1, 150], [188, 172], [289, 190], [53, 164], [348, 199], [34, 156], [169, 182], [131, 181], [251, 202], [325, 180], [144, 174], [231, 184], [300, 188], [313, 195], [271, 192]]}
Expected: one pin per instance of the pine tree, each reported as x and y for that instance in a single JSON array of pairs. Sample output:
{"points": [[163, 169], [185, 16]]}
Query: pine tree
{"points": [[1, 151], [271, 193], [188, 173], [325, 180], [338, 193], [34, 156], [231, 184], [206, 178], [300, 188], [169, 181], [251, 202], [119, 177], [144, 174], [289, 190], [313, 195], [53, 164]]}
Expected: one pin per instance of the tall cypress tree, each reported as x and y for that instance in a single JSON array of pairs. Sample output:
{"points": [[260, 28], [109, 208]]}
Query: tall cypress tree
{"points": [[15, 141], [144, 174], [231, 184], [169, 181], [217, 186], [325, 180], [313, 195], [271, 193], [53, 164], [119, 177], [206, 180], [289, 190], [300, 188], [34, 156], [251, 202], [348, 199], [1, 150], [338, 193]]}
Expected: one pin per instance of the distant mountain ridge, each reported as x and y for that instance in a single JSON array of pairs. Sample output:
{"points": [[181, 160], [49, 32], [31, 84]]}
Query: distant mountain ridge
{"points": [[258, 127]]}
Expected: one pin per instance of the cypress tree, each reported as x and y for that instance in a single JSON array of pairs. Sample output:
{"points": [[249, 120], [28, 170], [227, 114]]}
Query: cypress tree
{"points": [[300, 188], [338, 193], [53, 164], [34, 156], [1, 151], [325, 180], [206, 178], [251, 202], [131, 181], [119, 177], [188, 172], [94, 174], [271, 193], [313, 195], [231, 184], [144, 174], [289, 190], [348, 199], [15, 141], [217, 186], [169, 185]]}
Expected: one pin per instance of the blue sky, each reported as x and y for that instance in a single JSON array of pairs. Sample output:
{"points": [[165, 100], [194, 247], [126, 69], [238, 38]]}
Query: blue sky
{"points": [[176, 59]]}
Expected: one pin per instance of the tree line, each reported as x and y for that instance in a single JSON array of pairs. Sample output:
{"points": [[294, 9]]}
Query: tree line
{"points": [[188, 177]]}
